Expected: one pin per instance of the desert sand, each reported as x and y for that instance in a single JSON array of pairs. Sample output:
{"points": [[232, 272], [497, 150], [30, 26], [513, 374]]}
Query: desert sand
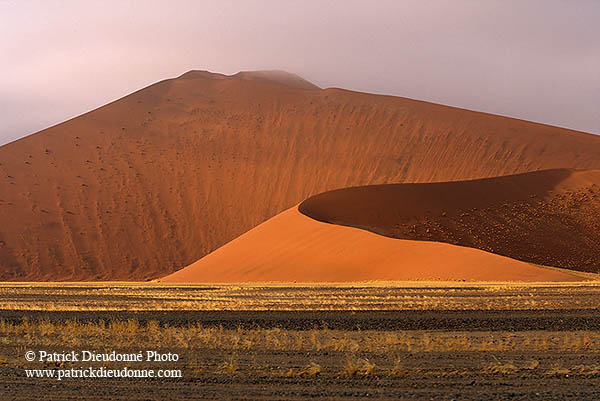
{"points": [[294, 247], [154, 181], [547, 217]]}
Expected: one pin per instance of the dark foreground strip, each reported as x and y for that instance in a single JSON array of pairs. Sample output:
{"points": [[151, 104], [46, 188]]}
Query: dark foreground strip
{"points": [[511, 320]]}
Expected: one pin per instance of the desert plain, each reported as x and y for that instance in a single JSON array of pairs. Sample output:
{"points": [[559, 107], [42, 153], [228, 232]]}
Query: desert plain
{"points": [[292, 242], [440, 340]]}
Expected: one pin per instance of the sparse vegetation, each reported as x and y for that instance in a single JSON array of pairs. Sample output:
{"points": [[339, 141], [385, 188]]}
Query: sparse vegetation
{"points": [[557, 369], [348, 343], [531, 365], [358, 366], [353, 353], [230, 366], [501, 367], [397, 367], [369, 296], [313, 369], [294, 354]]}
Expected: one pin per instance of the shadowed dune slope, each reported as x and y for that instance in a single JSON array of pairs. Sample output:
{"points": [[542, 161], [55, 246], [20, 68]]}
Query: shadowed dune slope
{"points": [[294, 247], [547, 217], [154, 181]]}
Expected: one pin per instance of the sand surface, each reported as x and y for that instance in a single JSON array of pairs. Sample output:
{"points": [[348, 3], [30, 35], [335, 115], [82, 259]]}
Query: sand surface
{"points": [[292, 246], [548, 217], [156, 180]]}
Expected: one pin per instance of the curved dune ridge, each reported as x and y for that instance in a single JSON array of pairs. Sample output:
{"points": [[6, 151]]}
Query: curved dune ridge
{"points": [[154, 181], [295, 247], [548, 217]]}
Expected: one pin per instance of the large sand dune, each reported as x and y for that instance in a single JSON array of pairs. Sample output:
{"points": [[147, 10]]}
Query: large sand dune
{"points": [[294, 247], [154, 181]]}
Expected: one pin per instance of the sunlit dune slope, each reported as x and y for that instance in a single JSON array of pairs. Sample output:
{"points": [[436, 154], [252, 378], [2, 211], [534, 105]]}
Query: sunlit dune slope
{"points": [[547, 217], [294, 247], [154, 181]]}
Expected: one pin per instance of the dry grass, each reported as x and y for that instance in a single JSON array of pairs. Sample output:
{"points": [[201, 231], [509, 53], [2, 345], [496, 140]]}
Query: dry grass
{"points": [[501, 367], [558, 370], [357, 353], [351, 353], [313, 369], [358, 366], [230, 366], [124, 334], [531, 365], [398, 367], [584, 370], [356, 296]]}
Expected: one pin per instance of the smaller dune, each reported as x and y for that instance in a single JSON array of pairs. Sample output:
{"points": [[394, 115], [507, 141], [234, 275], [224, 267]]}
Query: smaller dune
{"points": [[293, 247], [550, 217]]}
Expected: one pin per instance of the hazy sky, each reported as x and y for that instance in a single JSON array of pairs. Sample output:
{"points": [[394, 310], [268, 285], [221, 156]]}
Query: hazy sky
{"points": [[535, 60]]}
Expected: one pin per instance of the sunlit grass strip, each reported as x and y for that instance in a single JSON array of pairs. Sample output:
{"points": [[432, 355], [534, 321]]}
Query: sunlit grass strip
{"points": [[194, 336], [128, 297]]}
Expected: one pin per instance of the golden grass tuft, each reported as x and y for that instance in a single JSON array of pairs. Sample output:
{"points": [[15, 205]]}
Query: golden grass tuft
{"points": [[229, 366], [505, 368], [355, 366], [313, 369], [586, 370], [531, 365], [398, 367], [558, 370]]}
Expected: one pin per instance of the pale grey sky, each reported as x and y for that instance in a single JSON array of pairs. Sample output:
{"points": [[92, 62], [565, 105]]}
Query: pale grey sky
{"points": [[535, 60]]}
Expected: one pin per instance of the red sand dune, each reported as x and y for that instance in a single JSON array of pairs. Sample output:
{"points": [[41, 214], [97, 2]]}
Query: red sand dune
{"points": [[154, 181], [294, 247], [547, 217]]}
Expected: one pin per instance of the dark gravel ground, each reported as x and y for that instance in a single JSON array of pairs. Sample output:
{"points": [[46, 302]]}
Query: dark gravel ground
{"points": [[482, 320], [320, 388]]}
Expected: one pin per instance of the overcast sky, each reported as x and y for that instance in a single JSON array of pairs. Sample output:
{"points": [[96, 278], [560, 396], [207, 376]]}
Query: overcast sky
{"points": [[535, 60]]}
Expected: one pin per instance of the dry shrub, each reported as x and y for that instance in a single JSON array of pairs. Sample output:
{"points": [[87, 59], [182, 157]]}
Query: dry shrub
{"points": [[531, 365], [230, 366], [358, 366], [398, 368], [558, 370], [313, 369], [586, 370], [502, 368]]}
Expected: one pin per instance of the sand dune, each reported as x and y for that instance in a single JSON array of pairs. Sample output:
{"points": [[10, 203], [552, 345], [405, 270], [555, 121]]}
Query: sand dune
{"points": [[154, 181], [548, 217], [294, 247]]}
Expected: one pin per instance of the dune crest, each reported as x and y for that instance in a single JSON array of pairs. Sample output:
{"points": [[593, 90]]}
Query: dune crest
{"points": [[277, 77]]}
